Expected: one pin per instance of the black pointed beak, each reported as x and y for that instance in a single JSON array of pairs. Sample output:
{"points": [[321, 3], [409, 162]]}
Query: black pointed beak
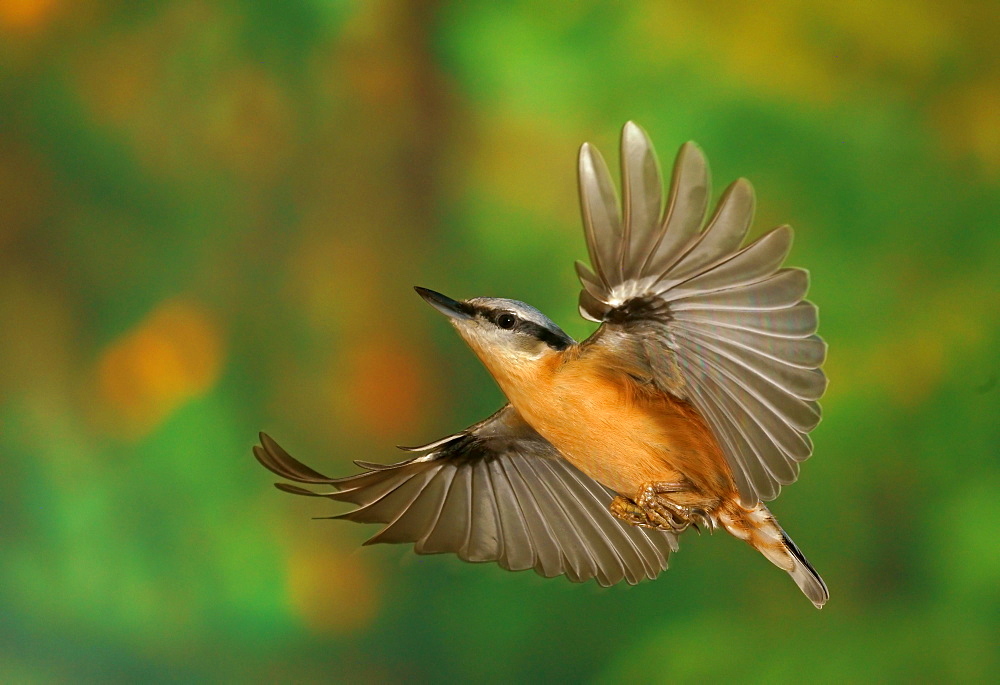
{"points": [[447, 306]]}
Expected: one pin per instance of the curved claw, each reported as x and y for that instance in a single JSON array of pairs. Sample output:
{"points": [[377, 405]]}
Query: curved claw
{"points": [[701, 517]]}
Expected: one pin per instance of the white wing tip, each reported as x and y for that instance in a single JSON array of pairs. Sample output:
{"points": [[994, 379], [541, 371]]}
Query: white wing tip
{"points": [[634, 133]]}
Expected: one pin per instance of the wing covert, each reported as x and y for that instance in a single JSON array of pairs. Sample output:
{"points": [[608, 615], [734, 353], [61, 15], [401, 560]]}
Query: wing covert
{"points": [[735, 322], [497, 491]]}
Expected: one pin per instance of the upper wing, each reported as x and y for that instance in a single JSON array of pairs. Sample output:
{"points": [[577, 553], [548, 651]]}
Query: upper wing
{"points": [[735, 322], [497, 491]]}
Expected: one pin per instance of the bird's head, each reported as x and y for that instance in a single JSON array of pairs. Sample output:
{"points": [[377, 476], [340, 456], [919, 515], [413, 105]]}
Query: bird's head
{"points": [[511, 338]]}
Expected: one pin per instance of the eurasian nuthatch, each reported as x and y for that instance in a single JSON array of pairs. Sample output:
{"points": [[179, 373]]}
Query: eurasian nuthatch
{"points": [[688, 407]]}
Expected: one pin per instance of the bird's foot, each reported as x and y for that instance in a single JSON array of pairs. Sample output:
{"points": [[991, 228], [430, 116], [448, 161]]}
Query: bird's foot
{"points": [[651, 510]]}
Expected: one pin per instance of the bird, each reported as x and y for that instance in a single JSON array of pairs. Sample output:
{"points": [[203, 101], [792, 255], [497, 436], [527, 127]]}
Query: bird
{"points": [[688, 408]]}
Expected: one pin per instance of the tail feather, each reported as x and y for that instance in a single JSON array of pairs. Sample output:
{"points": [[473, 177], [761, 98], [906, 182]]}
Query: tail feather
{"points": [[760, 529], [805, 576]]}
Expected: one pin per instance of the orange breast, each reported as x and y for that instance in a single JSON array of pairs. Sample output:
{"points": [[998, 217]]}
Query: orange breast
{"points": [[619, 431]]}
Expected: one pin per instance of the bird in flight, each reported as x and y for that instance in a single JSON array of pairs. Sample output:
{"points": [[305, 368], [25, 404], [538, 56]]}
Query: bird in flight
{"points": [[689, 407]]}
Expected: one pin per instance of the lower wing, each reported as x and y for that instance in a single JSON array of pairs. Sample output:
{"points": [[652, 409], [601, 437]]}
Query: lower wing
{"points": [[497, 491]]}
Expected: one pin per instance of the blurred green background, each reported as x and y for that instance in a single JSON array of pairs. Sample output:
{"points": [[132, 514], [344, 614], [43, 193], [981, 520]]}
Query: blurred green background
{"points": [[211, 215]]}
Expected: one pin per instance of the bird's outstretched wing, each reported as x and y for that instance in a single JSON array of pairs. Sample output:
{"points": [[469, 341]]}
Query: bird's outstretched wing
{"points": [[734, 321], [497, 491]]}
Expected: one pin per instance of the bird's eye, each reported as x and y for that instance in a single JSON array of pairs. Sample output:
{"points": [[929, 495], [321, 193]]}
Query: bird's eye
{"points": [[506, 321]]}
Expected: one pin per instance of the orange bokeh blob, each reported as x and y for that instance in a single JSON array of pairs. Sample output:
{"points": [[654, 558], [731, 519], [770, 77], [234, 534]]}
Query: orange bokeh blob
{"points": [[25, 14], [171, 356], [386, 386], [331, 591]]}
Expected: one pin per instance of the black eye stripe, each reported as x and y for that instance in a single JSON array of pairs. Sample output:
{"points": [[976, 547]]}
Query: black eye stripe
{"points": [[550, 338], [557, 340]]}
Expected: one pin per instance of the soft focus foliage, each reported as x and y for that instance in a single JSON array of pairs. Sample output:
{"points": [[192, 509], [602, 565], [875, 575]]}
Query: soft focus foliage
{"points": [[211, 214]]}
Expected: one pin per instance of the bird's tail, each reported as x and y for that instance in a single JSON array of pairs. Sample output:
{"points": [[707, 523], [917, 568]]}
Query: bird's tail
{"points": [[758, 527]]}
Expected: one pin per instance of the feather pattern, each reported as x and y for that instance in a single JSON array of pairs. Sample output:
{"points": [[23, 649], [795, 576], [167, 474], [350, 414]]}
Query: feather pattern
{"points": [[735, 321], [494, 492]]}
